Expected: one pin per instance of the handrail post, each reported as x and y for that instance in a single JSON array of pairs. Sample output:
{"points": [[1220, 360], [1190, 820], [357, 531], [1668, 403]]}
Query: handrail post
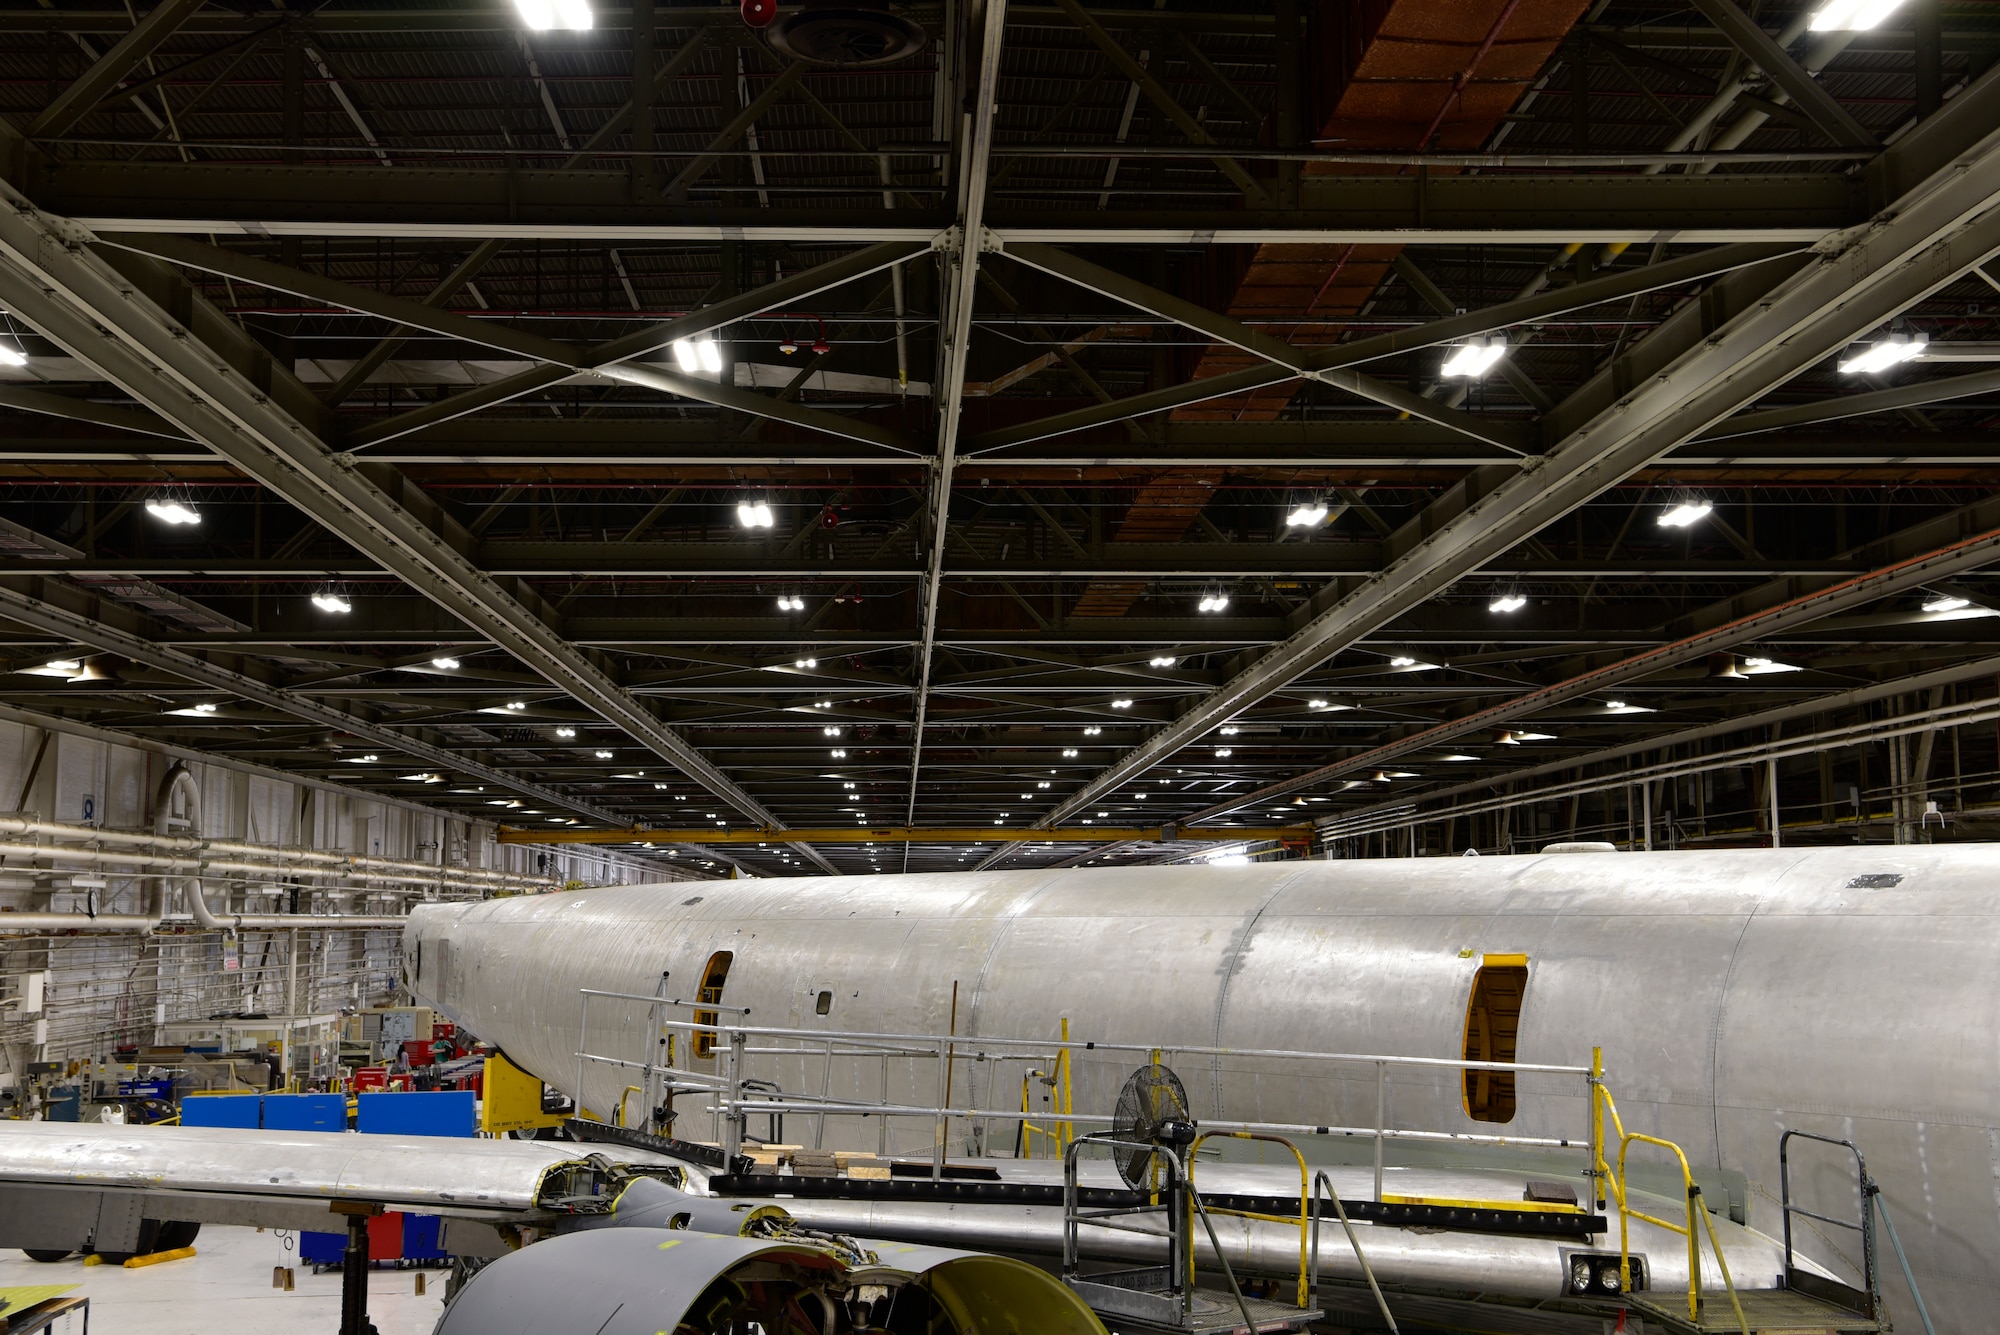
{"points": [[940, 1128], [733, 1117], [1381, 1116], [1595, 1085], [825, 1086], [582, 1046], [1065, 1131], [1694, 1253]]}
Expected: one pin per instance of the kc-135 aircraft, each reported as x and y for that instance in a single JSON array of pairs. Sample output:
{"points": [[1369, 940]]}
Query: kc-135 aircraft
{"points": [[1837, 994]]}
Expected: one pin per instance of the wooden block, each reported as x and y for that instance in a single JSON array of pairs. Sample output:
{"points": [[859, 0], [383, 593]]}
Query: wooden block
{"points": [[288, 1279], [846, 1157], [277, 1277], [420, 1283], [814, 1170], [870, 1172]]}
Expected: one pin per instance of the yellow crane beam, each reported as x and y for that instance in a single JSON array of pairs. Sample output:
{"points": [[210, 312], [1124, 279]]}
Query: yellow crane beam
{"points": [[899, 834]]}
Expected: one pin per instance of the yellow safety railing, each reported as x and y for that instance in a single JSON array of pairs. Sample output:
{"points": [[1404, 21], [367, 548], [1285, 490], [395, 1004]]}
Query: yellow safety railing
{"points": [[630, 1090], [1616, 1183], [1305, 1205], [1059, 1133]]}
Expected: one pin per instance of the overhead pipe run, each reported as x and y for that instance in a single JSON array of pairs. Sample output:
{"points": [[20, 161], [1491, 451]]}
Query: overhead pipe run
{"points": [[164, 857]]}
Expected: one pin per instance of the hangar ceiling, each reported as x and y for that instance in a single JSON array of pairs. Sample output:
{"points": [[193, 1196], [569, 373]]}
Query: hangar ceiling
{"points": [[1045, 430]]}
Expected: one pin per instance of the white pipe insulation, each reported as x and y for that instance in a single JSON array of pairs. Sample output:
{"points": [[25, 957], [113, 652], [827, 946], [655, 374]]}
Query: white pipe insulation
{"points": [[173, 863]]}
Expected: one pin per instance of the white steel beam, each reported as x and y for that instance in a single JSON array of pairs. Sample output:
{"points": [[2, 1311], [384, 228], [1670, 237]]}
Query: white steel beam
{"points": [[51, 279], [961, 284], [1753, 331]]}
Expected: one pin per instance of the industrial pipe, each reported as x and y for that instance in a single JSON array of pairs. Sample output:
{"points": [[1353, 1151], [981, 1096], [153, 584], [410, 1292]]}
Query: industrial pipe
{"points": [[164, 866], [349, 863], [275, 857], [181, 780]]}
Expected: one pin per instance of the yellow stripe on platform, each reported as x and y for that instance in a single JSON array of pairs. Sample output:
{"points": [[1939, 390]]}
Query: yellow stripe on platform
{"points": [[1451, 1203]]}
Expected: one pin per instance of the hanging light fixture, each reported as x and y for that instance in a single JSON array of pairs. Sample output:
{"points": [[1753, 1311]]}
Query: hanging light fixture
{"points": [[1474, 358]]}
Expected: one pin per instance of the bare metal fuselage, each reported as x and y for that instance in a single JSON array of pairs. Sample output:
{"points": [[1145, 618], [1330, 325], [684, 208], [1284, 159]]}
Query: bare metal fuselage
{"points": [[1734, 994]]}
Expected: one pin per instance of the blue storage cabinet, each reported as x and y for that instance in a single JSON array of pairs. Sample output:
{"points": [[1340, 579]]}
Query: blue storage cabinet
{"points": [[242, 1111], [449, 1112], [305, 1112]]}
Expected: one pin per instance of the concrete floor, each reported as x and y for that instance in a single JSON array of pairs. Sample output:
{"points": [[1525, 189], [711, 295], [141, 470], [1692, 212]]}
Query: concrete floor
{"points": [[225, 1289]]}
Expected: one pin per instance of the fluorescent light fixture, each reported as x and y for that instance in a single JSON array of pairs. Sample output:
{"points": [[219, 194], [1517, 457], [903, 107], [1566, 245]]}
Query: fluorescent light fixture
{"points": [[838, 753], [1092, 731], [1764, 667], [1945, 602], [55, 667], [1213, 602], [1474, 358], [1069, 753], [326, 600], [805, 662], [602, 755], [1230, 730], [694, 355], [1534, 737], [11, 355], [1306, 515], [1621, 707], [169, 511], [1852, 15], [1331, 706], [565, 732], [1885, 352], [1121, 704], [831, 732], [1686, 513], [1458, 756], [423, 778], [543, 15], [787, 602], [445, 664], [1507, 602], [1224, 752], [363, 760], [1162, 662], [754, 514]]}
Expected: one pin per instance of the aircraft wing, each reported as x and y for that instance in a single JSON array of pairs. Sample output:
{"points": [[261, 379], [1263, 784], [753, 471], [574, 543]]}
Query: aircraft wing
{"points": [[63, 1184]]}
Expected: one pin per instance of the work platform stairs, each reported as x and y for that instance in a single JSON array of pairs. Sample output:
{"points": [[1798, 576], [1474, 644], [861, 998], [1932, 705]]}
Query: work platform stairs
{"points": [[1809, 1303]]}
